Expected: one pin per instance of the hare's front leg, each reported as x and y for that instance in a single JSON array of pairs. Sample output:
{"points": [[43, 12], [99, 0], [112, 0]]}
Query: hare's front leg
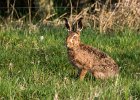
{"points": [[82, 73]]}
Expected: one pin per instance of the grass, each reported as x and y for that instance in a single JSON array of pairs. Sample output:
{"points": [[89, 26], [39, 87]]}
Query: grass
{"points": [[33, 67]]}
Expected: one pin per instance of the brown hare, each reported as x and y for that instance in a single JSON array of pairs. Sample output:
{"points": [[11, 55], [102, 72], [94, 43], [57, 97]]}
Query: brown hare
{"points": [[87, 58]]}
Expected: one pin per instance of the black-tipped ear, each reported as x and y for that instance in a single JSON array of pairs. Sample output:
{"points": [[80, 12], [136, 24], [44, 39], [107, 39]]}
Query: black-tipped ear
{"points": [[73, 26], [79, 25], [67, 24]]}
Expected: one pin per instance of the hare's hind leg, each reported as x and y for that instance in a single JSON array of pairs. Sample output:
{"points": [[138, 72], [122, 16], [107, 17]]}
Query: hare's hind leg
{"points": [[82, 73], [99, 75]]}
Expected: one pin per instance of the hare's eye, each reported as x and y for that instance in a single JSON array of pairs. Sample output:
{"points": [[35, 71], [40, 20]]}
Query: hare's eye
{"points": [[74, 37]]}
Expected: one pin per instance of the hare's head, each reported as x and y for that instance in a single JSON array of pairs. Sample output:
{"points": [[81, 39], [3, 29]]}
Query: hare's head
{"points": [[73, 38]]}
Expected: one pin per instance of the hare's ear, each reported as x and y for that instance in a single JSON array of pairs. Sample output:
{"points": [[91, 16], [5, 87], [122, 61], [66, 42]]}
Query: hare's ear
{"points": [[67, 24], [73, 26], [79, 25]]}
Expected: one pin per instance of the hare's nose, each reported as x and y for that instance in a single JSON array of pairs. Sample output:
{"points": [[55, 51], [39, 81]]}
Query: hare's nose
{"points": [[68, 45]]}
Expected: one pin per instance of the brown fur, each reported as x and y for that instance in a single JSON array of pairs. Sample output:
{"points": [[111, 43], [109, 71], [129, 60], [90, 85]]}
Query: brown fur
{"points": [[87, 58]]}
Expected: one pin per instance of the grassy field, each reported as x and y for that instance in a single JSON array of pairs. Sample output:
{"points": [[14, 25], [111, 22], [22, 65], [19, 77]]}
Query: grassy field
{"points": [[34, 65]]}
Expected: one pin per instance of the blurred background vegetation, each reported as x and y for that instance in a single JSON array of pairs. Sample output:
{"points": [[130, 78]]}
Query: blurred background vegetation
{"points": [[106, 15], [45, 8]]}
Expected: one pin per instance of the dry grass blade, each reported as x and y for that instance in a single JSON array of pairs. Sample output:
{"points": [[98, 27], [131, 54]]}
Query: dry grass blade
{"points": [[125, 14]]}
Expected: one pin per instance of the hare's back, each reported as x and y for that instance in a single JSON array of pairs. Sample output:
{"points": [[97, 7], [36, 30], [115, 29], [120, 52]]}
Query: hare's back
{"points": [[95, 53], [99, 58]]}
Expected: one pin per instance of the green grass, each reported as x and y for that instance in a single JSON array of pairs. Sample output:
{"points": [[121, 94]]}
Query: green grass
{"points": [[31, 68]]}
